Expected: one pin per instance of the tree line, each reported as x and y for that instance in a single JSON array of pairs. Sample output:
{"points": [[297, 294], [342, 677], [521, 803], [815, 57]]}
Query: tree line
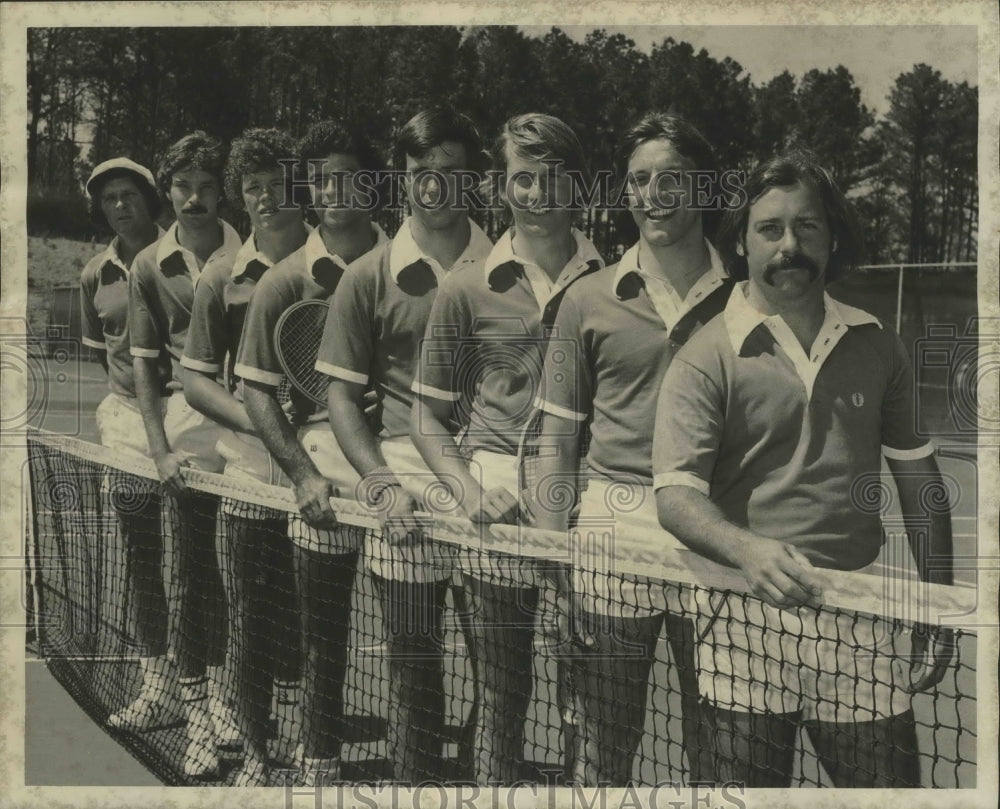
{"points": [[94, 93]]}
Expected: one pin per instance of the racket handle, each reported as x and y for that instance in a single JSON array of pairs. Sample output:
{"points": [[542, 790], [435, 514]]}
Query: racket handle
{"points": [[569, 716]]}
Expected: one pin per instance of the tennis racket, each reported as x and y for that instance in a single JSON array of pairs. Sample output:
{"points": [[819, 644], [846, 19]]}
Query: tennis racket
{"points": [[297, 336]]}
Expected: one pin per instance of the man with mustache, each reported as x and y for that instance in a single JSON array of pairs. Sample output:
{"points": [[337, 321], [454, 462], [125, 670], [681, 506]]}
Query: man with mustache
{"points": [[767, 420], [161, 293], [259, 554], [325, 554]]}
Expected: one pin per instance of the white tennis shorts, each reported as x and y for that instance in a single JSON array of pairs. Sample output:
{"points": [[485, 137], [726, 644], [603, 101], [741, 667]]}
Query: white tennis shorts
{"points": [[248, 459], [613, 512], [427, 561], [493, 469], [120, 425], [321, 446], [833, 666], [192, 435]]}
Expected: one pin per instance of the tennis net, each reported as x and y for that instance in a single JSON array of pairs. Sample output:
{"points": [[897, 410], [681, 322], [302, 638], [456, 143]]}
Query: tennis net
{"points": [[595, 711]]}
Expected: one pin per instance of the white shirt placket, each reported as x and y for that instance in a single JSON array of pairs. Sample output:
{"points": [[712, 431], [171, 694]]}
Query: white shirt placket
{"points": [[807, 367]]}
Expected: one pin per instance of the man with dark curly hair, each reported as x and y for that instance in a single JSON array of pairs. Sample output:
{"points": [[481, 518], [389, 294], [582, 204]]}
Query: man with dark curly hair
{"points": [[301, 442], [259, 556], [161, 294]]}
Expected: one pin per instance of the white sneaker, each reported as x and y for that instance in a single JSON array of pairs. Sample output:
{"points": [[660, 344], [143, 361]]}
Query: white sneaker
{"points": [[156, 703], [284, 749], [282, 752], [201, 759], [253, 773], [318, 772], [227, 731], [153, 707]]}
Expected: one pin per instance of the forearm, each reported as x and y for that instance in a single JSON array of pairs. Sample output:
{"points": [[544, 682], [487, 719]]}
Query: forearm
{"points": [[277, 433], [556, 488], [147, 394], [923, 500], [933, 549], [347, 419], [440, 452], [698, 523], [208, 397]]}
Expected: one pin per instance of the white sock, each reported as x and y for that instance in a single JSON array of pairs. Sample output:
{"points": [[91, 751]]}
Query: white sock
{"points": [[154, 673], [194, 695], [216, 680], [286, 692]]}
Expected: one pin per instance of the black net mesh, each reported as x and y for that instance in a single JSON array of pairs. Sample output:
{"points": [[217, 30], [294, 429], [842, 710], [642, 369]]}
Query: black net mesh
{"points": [[202, 637]]}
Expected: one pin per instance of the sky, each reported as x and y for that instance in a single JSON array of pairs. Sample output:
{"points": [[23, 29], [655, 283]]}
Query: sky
{"points": [[874, 54]]}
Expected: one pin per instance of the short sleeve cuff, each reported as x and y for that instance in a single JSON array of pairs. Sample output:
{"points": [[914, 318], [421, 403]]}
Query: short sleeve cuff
{"points": [[434, 393], [94, 343], [257, 375], [908, 454], [561, 412], [341, 373], [198, 365], [145, 353], [665, 479]]}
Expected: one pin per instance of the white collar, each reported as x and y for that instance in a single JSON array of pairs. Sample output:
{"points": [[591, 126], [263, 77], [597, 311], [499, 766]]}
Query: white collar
{"points": [[248, 252], [316, 248], [168, 245], [111, 254], [741, 318], [503, 253], [405, 252], [629, 263]]}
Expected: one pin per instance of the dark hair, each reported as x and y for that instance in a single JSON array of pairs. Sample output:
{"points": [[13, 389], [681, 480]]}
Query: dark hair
{"points": [[194, 152], [687, 141], [326, 138], [537, 136], [796, 166], [432, 127], [257, 150], [154, 203]]}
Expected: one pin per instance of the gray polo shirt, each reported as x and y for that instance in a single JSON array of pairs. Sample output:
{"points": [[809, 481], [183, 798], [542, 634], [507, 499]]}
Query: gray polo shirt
{"points": [[161, 294], [611, 347], [486, 338], [104, 317], [378, 316], [310, 273], [781, 441]]}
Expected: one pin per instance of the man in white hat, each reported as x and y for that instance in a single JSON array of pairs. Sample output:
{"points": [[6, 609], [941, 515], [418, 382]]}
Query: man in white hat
{"points": [[124, 200]]}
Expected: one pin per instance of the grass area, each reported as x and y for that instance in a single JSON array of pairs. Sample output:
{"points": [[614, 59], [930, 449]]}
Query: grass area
{"points": [[53, 262]]}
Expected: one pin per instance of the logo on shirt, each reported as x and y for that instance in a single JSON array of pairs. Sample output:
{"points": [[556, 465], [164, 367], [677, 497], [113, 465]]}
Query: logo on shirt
{"points": [[857, 399]]}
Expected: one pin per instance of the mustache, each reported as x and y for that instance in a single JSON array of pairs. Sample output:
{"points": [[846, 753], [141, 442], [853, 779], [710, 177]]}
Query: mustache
{"points": [[195, 209], [798, 261]]}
